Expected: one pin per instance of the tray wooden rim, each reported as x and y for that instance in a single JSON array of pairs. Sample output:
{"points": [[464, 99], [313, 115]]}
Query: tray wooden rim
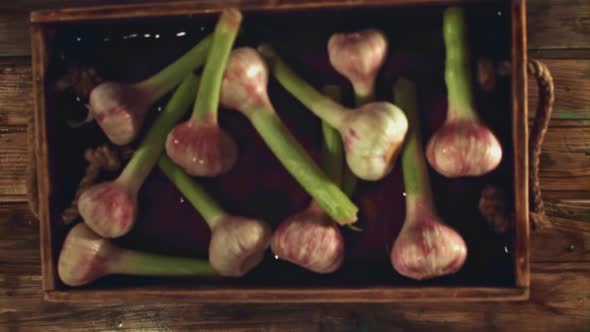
{"points": [[520, 291], [190, 7], [294, 295]]}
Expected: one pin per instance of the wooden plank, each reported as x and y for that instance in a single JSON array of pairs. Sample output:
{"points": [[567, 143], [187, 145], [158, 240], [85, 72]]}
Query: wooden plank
{"points": [[558, 24], [13, 162], [552, 24], [560, 301], [19, 247], [14, 33], [572, 85], [29, 5], [568, 53], [16, 102], [518, 89], [565, 159], [568, 238]]}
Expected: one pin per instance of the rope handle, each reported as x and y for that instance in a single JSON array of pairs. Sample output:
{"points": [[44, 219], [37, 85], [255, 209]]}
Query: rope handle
{"points": [[543, 113], [492, 203]]}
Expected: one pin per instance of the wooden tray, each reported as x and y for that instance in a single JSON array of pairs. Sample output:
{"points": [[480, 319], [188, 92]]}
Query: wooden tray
{"points": [[56, 179]]}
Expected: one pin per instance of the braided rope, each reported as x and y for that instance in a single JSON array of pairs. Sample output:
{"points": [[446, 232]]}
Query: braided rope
{"points": [[491, 204], [540, 125]]}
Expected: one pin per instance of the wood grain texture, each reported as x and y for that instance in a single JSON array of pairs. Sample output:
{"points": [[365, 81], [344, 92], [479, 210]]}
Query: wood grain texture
{"points": [[40, 153], [565, 159], [559, 24], [572, 83], [19, 247], [28, 5], [16, 101], [568, 237], [560, 301], [520, 144], [13, 161], [14, 33]]}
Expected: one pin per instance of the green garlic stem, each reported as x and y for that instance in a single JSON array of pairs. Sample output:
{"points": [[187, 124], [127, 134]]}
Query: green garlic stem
{"points": [[322, 106], [146, 156], [209, 92], [130, 262], [209, 209], [416, 179], [361, 98], [162, 82], [457, 71], [300, 165], [332, 149]]}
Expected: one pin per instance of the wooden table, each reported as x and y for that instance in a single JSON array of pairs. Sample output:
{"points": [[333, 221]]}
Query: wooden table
{"points": [[559, 34]]}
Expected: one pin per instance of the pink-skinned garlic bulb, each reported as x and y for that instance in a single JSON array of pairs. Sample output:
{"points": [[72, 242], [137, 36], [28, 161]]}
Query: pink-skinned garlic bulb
{"points": [[463, 146], [359, 56], [245, 90], [199, 145], [310, 238], [120, 108], [372, 134], [110, 208], [238, 244], [425, 247], [86, 257]]}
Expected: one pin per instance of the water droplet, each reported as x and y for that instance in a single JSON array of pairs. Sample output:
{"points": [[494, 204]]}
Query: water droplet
{"points": [[147, 35], [176, 141], [276, 257], [181, 199], [78, 99], [133, 35], [120, 325], [506, 250], [404, 194], [78, 39], [194, 160], [157, 36], [571, 247], [159, 109], [181, 34], [202, 162], [202, 28], [499, 13], [106, 39]]}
